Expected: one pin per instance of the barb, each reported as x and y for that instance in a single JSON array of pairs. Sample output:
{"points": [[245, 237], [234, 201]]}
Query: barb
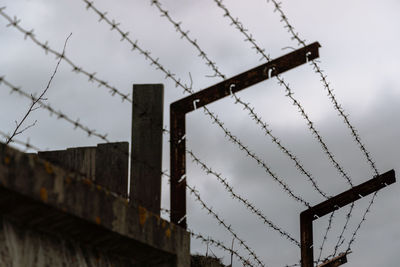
{"points": [[244, 201], [59, 114], [169, 75], [32, 107], [14, 22], [326, 85], [223, 223], [185, 35]]}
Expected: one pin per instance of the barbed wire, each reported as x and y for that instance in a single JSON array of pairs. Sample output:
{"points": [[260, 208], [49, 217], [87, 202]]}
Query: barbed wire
{"points": [[169, 75], [220, 245], [282, 82], [246, 106], [367, 210], [14, 22], [185, 35], [220, 221], [60, 115], [244, 201], [326, 84], [26, 144], [341, 112], [340, 240], [223, 223]]}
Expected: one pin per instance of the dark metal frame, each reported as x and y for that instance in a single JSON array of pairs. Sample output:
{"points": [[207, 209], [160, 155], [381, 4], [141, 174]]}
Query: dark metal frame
{"points": [[180, 108], [308, 216]]}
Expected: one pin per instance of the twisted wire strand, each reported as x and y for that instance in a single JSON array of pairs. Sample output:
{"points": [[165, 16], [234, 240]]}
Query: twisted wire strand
{"points": [[224, 224], [51, 110], [246, 106], [326, 85], [244, 201], [14, 22], [169, 75]]}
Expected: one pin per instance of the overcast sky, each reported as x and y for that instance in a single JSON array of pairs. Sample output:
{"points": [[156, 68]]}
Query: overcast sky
{"points": [[359, 54]]}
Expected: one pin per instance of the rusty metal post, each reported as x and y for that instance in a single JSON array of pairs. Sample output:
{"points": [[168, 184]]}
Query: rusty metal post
{"points": [[180, 108], [178, 167], [308, 216]]}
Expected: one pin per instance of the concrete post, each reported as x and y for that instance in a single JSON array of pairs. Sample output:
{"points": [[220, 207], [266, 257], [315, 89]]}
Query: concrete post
{"points": [[147, 131]]}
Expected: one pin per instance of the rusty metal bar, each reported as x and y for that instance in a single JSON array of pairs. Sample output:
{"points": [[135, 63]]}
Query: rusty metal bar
{"points": [[308, 216], [336, 261], [179, 109], [248, 78], [178, 167]]}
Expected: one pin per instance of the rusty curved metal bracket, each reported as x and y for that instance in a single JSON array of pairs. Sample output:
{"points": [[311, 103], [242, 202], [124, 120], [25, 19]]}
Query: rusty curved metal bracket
{"points": [[180, 108], [308, 216]]}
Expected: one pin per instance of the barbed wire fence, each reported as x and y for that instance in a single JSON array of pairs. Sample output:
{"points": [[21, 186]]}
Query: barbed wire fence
{"points": [[15, 22], [295, 36], [341, 112], [188, 89]]}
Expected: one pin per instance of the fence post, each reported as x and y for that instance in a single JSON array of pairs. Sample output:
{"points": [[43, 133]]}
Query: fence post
{"points": [[147, 131]]}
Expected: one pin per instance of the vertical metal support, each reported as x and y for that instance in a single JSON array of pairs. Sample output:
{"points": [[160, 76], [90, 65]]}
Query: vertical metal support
{"points": [[147, 131], [178, 167], [306, 240]]}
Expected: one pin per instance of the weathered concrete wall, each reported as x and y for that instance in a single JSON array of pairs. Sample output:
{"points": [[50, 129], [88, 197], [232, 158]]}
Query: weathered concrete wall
{"points": [[22, 247], [42, 196]]}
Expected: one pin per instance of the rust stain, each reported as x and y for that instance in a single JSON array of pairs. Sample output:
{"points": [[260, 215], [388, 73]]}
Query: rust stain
{"points": [[43, 194], [98, 220], [142, 215], [168, 233], [68, 180], [98, 187], [163, 224], [7, 160], [48, 167]]}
